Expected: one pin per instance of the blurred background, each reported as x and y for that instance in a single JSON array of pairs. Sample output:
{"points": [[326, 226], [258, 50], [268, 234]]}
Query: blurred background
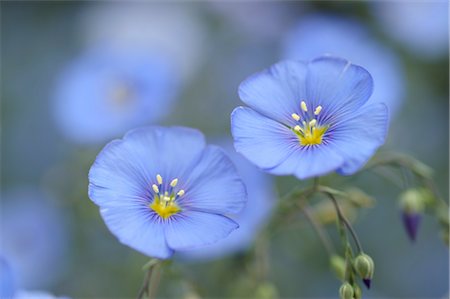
{"points": [[76, 75]]}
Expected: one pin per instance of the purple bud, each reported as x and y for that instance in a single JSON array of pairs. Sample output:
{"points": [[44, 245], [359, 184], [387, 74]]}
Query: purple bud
{"points": [[367, 282], [411, 222]]}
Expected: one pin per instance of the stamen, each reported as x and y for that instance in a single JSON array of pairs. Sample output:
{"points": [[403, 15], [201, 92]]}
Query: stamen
{"points": [[312, 123], [298, 128], [155, 188], [318, 109], [174, 183], [295, 116], [180, 193], [303, 106], [159, 179]]}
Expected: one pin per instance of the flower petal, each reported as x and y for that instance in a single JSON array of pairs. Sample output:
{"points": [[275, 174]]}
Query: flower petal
{"points": [[357, 138], [125, 169], [337, 85], [263, 141], [309, 162], [193, 229], [276, 92], [213, 185], [139, 228]]}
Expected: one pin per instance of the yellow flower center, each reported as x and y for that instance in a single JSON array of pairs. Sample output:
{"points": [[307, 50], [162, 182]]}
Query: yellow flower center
{"points": [[164, 202], [308, 132]]}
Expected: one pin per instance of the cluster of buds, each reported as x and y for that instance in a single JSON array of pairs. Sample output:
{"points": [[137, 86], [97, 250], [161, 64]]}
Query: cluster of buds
{"points": [[363, 266]]}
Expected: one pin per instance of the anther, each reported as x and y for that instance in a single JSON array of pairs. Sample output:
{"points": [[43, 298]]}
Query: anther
{"points": [[318, 109], [312, 123], [295, 116], [155, 188], [159, 179], [297, 128], [303, 106], [174, 182], [180, 193]]}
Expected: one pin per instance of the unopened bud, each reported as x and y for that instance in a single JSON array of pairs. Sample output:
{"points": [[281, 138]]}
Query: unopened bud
{"points": [[346, 291], [358, 292], [413, 202], [337, 263], [365, 267]]}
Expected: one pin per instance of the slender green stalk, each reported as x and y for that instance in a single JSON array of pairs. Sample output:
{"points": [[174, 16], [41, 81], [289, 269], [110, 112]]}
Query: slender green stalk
{"points": [[344, 220], [151, 279]]}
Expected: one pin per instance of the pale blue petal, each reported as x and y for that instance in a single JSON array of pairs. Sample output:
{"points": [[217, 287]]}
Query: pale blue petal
{"points": [[346, 37], [125, 170], [263, 141], [138, 227], [213, 185], [337, 85], [276, 92], [261, 201], [193, 229], [308, 162], [359, 137]]}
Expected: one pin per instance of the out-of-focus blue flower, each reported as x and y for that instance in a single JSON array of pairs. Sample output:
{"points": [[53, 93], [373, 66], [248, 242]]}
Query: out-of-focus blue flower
{"points": [[7, 284], [8, 288], [421, 26], [33, 238], [316, 35], [261, 199], [162, 190], [106, 92], [309, 119]]}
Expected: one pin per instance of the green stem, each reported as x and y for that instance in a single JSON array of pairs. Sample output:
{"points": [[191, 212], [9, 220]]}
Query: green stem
{"points": [[344, 220], [150, 283]]}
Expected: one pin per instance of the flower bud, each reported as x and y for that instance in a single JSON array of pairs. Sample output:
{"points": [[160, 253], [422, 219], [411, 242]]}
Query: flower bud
{"points": [[346, 291], [413, 203], [337, 263], [358, 292], [365, 267]]}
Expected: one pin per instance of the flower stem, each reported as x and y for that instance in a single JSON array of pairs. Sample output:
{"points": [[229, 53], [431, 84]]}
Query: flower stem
{"points": [[151, 279], [344, 220]]}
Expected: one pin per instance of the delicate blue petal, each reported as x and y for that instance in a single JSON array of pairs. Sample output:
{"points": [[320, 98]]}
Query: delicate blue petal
{"points": [[346, 37], [308, 162], [7, 281], [277, 91], [261, 201], [192, 229], [263, 141], [125, 170], [139, 228], [357, 138], [213, 185], [337, 85]]}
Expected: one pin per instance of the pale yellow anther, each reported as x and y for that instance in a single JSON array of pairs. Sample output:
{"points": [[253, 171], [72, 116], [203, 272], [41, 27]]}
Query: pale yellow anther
{"points": [[297, 128], [155, 188], [159, 179], [180, 193], [318, 109], [312, 123], [174, 182], [295, 116], [303, 106]]}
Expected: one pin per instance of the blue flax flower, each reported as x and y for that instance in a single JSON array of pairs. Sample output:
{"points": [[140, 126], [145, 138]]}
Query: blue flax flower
{"points": [[106, 92], [162, 190], [309, 119]]}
